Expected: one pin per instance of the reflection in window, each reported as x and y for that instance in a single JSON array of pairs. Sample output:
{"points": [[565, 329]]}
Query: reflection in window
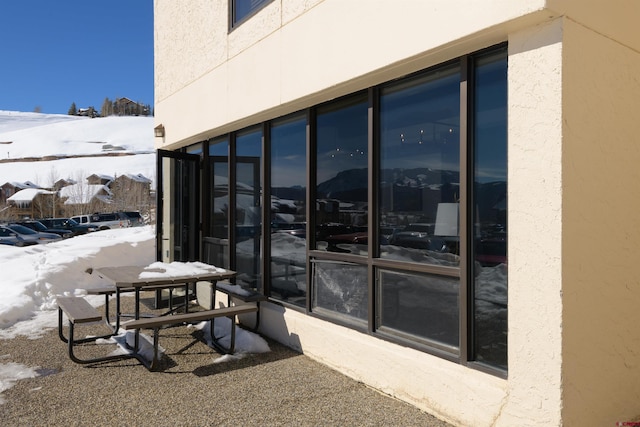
{"points": [[242, 9], [490, 203], [341, 287], [288, 210], [248, 208], [419, 184], [216, 245], [342, 177], [424, 306]]}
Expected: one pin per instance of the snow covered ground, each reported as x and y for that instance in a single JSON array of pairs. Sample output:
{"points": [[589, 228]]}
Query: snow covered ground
{"points": [[72, 147], [32, 277]]}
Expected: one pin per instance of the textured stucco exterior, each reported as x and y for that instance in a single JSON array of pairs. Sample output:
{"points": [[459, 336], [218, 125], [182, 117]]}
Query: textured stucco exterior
{"points": [[269, 67], [535, 225], [601, 227], [574, 230]]}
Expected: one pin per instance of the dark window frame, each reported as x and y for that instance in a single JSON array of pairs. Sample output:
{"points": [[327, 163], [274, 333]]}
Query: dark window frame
{"points": [[235, 21], [374, 264]]}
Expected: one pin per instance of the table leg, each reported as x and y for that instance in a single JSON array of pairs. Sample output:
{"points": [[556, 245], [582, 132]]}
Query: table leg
{"points": [[118, 310], [137, 316]]}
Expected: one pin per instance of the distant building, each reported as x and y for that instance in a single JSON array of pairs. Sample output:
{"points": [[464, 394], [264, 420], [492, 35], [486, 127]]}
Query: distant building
{"points": [[87, 112], [8, 189], [85, 198], [127, 107], [33, 203], [99, 179], [131, 192], [63, 183]]}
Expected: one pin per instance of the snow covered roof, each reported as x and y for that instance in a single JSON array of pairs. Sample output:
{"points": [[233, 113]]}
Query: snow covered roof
{"points": [[138, 178], [101, 176], [79, 194], [26, 196], [23, 185]]}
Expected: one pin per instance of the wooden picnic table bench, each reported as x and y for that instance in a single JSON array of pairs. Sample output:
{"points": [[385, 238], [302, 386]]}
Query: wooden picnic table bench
{"points": [[235, 292], [79, 311], [156, 323]]}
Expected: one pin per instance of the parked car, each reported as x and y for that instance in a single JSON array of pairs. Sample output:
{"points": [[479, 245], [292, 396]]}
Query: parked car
{"points": [[33, 236], [11, 238], [104, 221], [135, 219], [38, 226], [491, 252], [68, 224]]}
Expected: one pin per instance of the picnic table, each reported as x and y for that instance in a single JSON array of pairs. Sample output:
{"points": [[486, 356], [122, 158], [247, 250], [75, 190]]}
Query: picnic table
{"points": [[154, 277]]}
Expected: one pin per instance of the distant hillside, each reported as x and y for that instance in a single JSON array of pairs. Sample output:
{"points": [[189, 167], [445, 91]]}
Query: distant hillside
{"points": [[43, 148]]}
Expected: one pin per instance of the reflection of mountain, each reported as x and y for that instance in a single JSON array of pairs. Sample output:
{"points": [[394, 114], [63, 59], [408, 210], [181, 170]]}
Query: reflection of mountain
{"points": [[289, 193], [418, 177], [346, 185], [351, 185]]}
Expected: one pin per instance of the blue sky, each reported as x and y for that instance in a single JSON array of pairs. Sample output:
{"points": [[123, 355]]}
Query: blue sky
{"points": [[57, 52]]}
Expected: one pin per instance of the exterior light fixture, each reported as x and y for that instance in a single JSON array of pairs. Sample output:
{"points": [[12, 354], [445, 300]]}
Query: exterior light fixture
{"points": [[159, 131]]}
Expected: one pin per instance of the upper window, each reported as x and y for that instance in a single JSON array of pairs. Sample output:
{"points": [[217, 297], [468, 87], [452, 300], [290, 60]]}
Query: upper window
{"points": [[241, 10], [342, 176], [419, 179]]}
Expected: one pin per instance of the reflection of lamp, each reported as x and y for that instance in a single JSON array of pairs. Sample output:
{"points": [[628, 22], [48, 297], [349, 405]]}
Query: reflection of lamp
{"points": [[447, 220], [159, 131]]}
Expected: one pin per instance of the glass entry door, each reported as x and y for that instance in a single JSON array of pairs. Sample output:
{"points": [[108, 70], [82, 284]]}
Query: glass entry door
{"points": [[178, 206]]}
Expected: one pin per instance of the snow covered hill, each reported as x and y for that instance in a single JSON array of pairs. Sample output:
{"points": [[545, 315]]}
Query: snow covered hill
{"points": [[43, 148]]}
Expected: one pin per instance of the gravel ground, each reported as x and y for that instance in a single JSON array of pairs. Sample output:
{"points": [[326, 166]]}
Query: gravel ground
{"points": [[278, 388]]}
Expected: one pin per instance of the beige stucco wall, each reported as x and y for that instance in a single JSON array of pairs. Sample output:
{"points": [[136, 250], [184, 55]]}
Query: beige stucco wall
{"points": [[535, 226], [209, 82], [601, 227]]}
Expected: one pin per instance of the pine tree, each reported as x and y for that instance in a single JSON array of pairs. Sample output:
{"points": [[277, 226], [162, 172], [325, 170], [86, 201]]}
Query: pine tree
{"points": [[73, 110]]}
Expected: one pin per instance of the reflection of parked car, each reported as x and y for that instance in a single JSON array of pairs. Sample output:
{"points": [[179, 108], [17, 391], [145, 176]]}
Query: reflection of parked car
{"points": [[68, 224], [417, 240], [38, 226], [30, 235], [491, 252], [359, 238], [280, 226], [104, 221], [135, 219], [11, 238], [387, 232], [297, 232], [330, 229], [418, 236]]}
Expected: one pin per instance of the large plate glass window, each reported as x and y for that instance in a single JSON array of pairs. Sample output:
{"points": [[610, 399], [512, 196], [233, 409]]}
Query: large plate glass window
{"points": [[341, 208], [419, 184], [490, 210], [288, 220], [421, 307], [248, 204], [216, 242], [419, 193], [342, 176]]}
